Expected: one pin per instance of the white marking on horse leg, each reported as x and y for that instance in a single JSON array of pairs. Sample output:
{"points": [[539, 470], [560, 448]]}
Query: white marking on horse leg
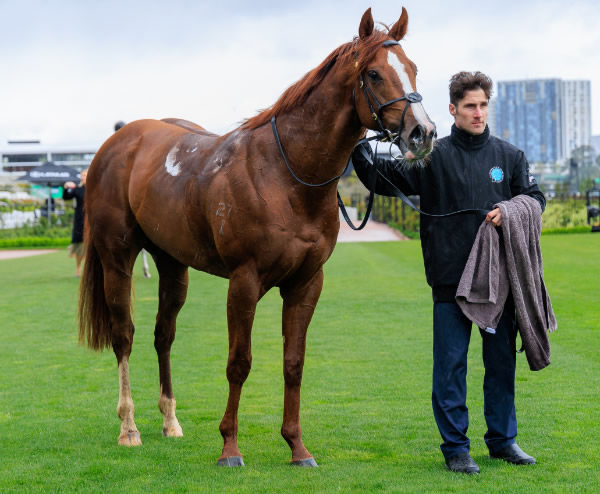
{"points": [[171, 165], [130, 436], [171, 427]]}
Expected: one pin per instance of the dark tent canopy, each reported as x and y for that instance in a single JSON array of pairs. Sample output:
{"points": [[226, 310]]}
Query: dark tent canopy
{"points": [[50, 174]]}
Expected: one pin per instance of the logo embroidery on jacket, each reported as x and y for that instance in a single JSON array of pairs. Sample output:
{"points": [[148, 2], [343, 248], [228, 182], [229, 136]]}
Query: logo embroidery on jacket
{"points": [[496, 174]]}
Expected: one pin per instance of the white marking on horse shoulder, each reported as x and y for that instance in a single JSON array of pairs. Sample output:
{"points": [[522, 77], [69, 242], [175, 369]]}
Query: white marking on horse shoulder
{"points": [[171, 166], [398, 66]]}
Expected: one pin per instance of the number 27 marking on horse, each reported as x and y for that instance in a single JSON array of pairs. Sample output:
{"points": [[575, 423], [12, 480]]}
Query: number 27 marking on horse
{"points": [[221, 211]]}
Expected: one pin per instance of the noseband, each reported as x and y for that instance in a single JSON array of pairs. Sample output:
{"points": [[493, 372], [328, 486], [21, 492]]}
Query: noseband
{"points": [[372, 100]]}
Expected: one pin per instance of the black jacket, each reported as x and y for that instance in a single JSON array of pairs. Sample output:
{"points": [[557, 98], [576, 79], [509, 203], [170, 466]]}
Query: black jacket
{"points": [[464, 171], [78, 194]]}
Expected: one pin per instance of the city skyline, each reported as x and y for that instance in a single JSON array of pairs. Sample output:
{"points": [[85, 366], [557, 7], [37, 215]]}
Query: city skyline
{"points": [[547, 118]]}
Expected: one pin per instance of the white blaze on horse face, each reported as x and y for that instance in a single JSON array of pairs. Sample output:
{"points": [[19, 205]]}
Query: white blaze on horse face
{"points": [[398, 66], [417, 108], [171, 165]]}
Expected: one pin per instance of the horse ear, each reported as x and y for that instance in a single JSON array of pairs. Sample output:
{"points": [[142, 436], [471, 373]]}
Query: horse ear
{"points": [[366, 24], [399, 29]]}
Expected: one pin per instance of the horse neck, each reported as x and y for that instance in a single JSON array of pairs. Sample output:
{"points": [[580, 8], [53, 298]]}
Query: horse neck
{"points": [[319, 136]]}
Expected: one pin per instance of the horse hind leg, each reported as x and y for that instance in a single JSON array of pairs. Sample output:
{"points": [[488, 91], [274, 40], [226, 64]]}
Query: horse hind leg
{"points": [[117, 290], [172, 288]]}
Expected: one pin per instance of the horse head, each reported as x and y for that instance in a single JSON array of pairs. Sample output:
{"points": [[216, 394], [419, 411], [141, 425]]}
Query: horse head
{"points": [[385, 96]]}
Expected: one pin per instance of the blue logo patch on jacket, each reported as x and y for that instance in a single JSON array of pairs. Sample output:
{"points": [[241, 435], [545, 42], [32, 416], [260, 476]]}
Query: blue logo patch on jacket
{"points": [[496, 174]]}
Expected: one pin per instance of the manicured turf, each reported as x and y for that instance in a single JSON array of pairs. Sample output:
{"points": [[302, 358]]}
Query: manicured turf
{"points": [[366, 411]]}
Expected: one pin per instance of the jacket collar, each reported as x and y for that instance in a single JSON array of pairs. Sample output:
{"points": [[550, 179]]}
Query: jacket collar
{"points": [[469, 141]]}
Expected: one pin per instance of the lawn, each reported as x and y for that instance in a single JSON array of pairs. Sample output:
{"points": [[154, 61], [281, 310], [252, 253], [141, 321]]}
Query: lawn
{"points": [[366, 410]]}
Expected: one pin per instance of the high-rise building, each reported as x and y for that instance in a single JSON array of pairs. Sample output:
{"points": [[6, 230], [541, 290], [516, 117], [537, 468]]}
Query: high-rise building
{"points": [[577, 115], [528, 115], [546, 118]]}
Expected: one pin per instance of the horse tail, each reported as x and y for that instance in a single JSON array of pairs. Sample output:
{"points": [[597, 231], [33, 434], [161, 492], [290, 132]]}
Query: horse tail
{"points": [[94, 316]]}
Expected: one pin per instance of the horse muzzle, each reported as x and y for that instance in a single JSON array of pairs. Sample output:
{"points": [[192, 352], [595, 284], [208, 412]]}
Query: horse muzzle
{"points": [[419, 142]]}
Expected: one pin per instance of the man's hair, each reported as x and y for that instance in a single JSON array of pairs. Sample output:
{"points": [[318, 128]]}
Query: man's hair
{"points": [[468, 81]]}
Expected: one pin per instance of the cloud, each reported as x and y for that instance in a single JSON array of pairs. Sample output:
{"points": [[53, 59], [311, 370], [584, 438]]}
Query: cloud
{"points": [[78, 67]]}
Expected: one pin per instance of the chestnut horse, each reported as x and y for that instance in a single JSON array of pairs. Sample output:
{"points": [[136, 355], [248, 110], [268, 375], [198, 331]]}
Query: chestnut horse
{"points": [[229, 206]]}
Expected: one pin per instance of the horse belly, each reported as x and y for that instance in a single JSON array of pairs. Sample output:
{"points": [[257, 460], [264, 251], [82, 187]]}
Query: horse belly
{"points": [[172, 223]]}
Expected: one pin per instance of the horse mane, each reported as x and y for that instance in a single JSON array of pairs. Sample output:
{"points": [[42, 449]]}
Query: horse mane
{"points": [[359, 51]]}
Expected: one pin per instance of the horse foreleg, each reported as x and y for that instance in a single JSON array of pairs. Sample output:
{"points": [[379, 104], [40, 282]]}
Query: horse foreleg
{"points": [[242, 298], [172, 290], [299, 302]]}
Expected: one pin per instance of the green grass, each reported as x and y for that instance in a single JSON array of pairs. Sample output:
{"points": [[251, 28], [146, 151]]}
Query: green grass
{"points": [[366, 411]]}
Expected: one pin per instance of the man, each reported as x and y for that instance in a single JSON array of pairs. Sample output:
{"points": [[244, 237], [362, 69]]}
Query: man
{"points": [[73, 191], [470, 169]]}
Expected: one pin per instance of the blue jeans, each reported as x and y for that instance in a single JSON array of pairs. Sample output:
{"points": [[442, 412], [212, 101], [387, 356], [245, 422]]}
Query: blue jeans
{"points": [[451, 336]]}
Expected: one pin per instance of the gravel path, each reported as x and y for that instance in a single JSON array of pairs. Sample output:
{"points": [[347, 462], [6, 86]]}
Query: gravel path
{"points": [[13, 254]]}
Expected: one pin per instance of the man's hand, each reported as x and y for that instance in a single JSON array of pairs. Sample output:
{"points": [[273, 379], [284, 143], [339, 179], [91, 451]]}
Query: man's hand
{"points": [[495, 217]]}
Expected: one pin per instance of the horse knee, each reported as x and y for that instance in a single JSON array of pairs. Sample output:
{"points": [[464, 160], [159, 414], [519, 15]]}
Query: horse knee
{"points": [[290, 432], [292, 371], [238, 369], [122, 341]]}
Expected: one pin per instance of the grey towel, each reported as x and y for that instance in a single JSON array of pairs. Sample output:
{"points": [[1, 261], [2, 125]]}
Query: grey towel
{"points": [[514, 265]]}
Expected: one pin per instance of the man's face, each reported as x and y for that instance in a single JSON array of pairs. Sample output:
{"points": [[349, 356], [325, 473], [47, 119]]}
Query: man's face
{"points": [[471, 112]]}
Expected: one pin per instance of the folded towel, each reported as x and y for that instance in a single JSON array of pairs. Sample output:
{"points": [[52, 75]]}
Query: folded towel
{"points": [[495, 268]]}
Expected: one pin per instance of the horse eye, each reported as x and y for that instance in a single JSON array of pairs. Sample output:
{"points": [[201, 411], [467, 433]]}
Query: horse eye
{"points": [[373, 75]]}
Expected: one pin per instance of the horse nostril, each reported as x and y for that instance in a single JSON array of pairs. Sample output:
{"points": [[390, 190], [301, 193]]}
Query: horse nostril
{"points": [[417, 135]]}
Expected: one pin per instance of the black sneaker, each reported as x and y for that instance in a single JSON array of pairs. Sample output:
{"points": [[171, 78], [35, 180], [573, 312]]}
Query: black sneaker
{"points": [[513, 454], [462, 463]]}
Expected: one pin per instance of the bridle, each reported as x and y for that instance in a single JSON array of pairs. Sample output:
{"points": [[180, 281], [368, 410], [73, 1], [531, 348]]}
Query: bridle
{"points": [[384, 135], [376, 107]]}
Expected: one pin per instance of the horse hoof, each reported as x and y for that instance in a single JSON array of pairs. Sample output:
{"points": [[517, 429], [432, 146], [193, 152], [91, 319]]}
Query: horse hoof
{"points": [[308, 462], [231, 461], [172, 432], [130, 439]]}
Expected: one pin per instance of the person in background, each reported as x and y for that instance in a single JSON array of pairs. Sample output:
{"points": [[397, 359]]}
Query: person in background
{"points": [[470, 169], [77, 192]]}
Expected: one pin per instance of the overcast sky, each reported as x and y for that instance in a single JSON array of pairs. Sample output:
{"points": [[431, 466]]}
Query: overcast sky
{"points": [[70, 69]]}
